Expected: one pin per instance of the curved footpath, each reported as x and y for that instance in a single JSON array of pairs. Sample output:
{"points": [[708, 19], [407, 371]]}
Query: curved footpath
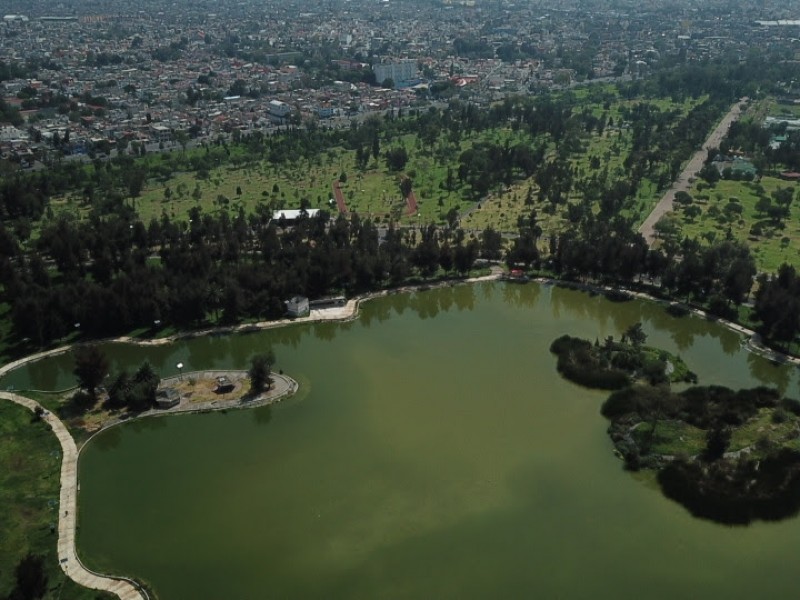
{"points": [[68, 505], [683, 182], [127, 589]]}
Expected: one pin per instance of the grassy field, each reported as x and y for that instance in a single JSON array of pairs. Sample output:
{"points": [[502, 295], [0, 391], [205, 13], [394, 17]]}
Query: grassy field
{"points": [[30, 461], [502, 209], [720, 218], [764, 427], [374, 191], [673, 438]]}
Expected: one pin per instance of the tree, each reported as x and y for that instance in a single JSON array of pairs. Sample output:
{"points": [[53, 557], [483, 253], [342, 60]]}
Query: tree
{"points": [[142, 394], [717, 441], [635, 334], [406, 185], [491, 243], [396, 158], [260, 371], [91, 367], [31, 579]]}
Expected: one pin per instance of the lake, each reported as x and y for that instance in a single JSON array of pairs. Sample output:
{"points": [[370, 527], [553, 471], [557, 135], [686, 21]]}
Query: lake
{"points": [[432, 452]]}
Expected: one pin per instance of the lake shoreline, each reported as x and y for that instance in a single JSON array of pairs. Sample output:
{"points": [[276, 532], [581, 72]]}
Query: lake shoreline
{"points": [[350, 312]]}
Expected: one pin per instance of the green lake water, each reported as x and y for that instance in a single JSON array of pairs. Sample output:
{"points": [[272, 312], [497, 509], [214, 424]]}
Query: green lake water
{"points": [[433, 452]]}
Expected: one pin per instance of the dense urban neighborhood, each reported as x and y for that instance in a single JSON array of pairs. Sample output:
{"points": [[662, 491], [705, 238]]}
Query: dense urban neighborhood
{"points": [[89, 80]]}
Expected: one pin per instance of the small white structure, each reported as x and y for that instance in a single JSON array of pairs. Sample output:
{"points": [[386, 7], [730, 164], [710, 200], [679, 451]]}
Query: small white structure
{"points": [[297, 306], [291, 215], [278, 112]]}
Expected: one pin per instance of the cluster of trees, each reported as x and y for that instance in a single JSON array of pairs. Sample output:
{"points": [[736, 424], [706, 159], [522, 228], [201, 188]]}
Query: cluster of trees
{"points": [[111, 275], [614, 365], [135, 392], [30, 579], [763, 484], [720, 274]]}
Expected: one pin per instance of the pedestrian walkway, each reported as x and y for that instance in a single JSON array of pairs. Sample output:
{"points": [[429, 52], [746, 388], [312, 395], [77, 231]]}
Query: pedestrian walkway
{"points": [[125, 589]]}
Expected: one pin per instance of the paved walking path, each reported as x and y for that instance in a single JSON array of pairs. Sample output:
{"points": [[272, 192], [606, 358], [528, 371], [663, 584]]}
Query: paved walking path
{"points": [[682, 184], [68, 505]]}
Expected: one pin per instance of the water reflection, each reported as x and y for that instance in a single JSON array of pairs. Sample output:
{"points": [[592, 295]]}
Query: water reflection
{"points": [[770, 373], [465, 297], [325, 331], [108, 440], [43, 376], [262, 415], [520, 295], [148, 424], [288, 336], [207, 351], [555, 302]]}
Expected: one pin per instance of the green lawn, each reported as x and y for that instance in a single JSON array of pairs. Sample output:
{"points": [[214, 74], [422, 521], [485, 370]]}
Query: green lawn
{"points": [[772, 246], [374, 190], [30, 461], [673, 438], [763, 427]]}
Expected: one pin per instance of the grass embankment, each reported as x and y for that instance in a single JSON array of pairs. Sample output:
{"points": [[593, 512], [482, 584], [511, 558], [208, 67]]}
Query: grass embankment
{"points": [[30, 463]]}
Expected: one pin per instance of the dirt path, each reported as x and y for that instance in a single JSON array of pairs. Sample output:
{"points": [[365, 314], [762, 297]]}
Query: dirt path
{"points": [[411, 202], [68, 505], [339, 196], [682, 184]]}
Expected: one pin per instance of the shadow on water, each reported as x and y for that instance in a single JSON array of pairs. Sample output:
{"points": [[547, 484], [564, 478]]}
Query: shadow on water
{"points": [[769, 373], [44, 374], [148, 424], [262, 415], [207, 352], [108, 440]]}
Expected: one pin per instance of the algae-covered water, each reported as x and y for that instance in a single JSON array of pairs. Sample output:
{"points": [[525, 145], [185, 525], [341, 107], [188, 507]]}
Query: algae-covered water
{"points": [[433, 452]]}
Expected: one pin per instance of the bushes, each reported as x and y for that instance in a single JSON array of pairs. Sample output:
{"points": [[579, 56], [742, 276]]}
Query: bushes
{"points": [[583, 364], [736, 492], [706, 407], [640, 400]]}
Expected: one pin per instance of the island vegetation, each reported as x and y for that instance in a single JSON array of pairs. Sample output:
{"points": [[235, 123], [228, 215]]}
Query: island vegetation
{"points": [[614, 365], [728, 456]]}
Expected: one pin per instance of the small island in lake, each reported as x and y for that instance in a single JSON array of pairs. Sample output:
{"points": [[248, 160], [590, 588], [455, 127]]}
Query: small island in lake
{"points": [[613, 365], [728, 456]]}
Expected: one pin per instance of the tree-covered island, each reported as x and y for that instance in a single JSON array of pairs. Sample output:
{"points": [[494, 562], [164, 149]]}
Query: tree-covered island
{"points": [[728, 456]]}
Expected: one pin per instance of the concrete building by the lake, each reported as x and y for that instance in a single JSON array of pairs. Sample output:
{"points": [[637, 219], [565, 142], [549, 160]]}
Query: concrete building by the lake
{"points": [[297, 306]]}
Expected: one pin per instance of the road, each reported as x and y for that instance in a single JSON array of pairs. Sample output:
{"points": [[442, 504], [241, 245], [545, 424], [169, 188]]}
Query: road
{"points": [[682, 184]]}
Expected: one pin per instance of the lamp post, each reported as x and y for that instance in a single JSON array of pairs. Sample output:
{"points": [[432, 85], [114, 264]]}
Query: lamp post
{"points": [[180, 370]]}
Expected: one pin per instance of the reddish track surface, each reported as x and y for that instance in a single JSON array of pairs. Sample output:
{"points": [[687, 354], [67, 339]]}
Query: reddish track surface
{"points": [[411, 201], [339, 196]]}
